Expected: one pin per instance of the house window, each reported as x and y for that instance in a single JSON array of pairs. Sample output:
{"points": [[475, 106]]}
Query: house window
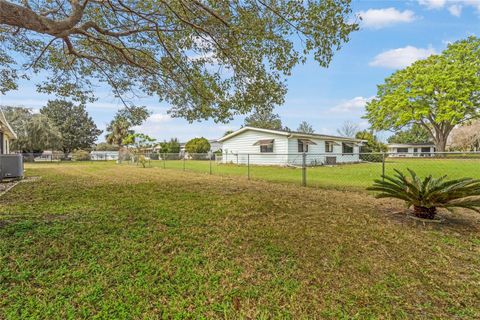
{"points": [[266, 148], [302, 146], [425, 149], [402, 150], [347, 147], [328, 146]]}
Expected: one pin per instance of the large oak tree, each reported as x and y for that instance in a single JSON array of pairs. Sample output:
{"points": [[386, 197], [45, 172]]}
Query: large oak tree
{"points": [[437, 93], [78, 129], [207, 58]]}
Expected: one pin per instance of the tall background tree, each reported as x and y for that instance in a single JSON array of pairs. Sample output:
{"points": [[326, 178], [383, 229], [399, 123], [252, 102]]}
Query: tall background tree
{"points": [[371, 144], [123, 122], [167, 48], [348, 129], [78, 129], [414, 134], [35, 132], [305, 127], [438, 93], [172, 146], [103, 146], [265, 119]]}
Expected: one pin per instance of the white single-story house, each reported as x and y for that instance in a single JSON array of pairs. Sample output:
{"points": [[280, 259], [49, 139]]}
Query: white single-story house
{"points": [[411, 149], [103, 155], [6, 134], [276, 147]]}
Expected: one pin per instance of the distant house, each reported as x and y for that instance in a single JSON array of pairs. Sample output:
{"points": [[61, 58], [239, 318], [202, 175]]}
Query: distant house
{"points": [[103, 155], [411, 149], [276, 147], [6, 135]]}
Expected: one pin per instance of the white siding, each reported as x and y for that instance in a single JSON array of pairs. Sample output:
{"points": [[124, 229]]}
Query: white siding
{"points": [[235, 149], [285, 150], [316, 154], [411, 151]]}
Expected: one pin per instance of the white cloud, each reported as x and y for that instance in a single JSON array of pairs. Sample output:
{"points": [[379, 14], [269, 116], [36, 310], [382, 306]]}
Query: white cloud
{"points": [[354, 105], [455, 10], [159, 118], [432, 4], [379, 18], [454, 6], [401, 57]]}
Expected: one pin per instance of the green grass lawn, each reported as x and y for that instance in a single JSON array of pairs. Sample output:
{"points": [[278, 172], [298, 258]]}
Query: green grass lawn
{"points": [[104, 241], [350, 176]]}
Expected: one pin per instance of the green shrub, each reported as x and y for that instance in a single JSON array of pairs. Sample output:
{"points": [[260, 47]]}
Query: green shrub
{"points": [[154, 156], [428, 194], [81, 155], [197, 145]]}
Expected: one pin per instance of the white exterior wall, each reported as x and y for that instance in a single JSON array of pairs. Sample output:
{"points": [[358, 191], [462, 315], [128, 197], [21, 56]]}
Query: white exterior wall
{"points": [[104, 155], [411, 152], [235, 149], [6, 144], [316, 154]]}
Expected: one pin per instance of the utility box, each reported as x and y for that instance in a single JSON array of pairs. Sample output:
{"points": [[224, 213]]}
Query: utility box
{"points": [[11, 166], [330, 161]]}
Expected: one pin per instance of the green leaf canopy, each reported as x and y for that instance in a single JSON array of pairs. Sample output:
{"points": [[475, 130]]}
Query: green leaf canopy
{"points": [[437, 93]]}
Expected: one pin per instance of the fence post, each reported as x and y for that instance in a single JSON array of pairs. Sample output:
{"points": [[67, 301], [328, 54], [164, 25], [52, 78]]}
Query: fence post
{"points": [[383, 166], [248, 166], [164, 160], [183, 163], [210, 162], [304, 169]]}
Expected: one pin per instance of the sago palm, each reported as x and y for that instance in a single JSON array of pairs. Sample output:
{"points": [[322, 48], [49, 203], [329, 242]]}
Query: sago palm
{"points": [[428, 194]]}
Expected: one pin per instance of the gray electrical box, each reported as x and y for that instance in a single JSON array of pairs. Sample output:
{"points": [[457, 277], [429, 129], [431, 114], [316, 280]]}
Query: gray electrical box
{"points": [[11, 166]]}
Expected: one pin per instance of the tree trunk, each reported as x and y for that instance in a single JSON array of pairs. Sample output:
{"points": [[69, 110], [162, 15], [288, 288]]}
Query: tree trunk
{"points": [[441, 143], [424, 212]]}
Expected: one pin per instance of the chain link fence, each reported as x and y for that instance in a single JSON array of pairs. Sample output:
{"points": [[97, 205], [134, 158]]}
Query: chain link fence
{"points": [[330, 170]]}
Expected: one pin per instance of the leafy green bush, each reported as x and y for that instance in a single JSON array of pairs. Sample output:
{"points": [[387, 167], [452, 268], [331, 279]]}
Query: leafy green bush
{"points": [[81, 155], [172, 146], [428, 194], [197, 145]]}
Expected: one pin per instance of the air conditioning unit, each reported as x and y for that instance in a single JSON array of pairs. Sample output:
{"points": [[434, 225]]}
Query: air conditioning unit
{"points": [[11, 166], [330, 161]]}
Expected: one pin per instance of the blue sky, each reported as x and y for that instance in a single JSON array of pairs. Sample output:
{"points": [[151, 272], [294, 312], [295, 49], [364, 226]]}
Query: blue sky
{"points": [[393, 34]]}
